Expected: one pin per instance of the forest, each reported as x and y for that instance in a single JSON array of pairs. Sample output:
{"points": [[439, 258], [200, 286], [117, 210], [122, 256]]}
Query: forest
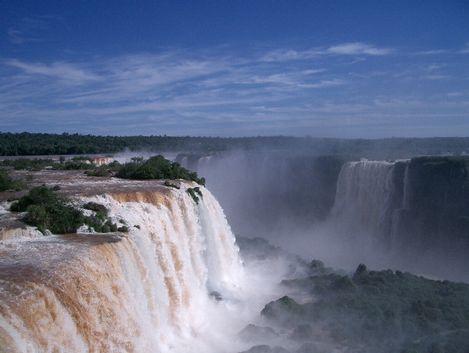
{"points": [[20, 144]]}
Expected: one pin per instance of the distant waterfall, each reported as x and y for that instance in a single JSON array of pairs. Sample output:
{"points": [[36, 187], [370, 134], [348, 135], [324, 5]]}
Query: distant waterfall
{"points": [[148, 291], [368, 194]]}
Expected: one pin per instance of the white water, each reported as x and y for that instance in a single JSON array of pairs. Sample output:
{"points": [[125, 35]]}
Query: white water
{"points": [[149, 292], [363, 198]]}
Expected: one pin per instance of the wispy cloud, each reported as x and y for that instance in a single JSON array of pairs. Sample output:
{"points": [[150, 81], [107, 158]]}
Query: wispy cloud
{"points": [[273, 91], [355, 48], [30, 29], [290, 54], [432, 52], [59, 70], [17, 37], [435, 77], [463, 50], [358, 49]]}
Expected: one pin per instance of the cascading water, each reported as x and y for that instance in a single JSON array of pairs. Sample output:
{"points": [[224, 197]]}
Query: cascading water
{"points": [[364, 197], [149, 291]]}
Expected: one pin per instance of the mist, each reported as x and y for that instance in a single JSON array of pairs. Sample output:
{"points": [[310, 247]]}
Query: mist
{"points": [[305, 204], [295, 252]]}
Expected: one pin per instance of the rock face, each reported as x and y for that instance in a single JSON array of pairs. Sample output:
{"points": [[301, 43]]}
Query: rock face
{"points": [[424, 200], [435, 208], [419, 206]]}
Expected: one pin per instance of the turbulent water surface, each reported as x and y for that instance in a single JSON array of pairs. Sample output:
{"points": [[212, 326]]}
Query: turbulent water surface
{"points": [[175, 283]]}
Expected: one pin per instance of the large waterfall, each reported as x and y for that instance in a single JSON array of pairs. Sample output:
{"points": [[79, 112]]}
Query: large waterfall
{"points": [[366, 197], [408, 214], [173, 284]]}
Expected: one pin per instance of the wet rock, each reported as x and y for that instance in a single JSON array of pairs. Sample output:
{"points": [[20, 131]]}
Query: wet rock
{"points": [[216, 295], [266, 349], [253, 333], [302, 333]]}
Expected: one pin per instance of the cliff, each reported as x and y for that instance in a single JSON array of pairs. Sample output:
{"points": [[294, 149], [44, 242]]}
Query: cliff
{"points": [[415, 210]]}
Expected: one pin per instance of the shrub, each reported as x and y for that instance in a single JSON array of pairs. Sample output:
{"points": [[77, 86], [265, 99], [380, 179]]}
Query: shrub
{"points": [[99, 172], [39, 216], [48, 210], [6, 183], [40, 195], [384, 311], [27, 164], [96, 207], [157, 167], [81, 159], [123, 229], [74, 165], [105, 170]]}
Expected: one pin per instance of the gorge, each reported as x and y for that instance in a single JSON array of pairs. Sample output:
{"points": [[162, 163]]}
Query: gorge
{"points": [[175, 278], [345, 210]]}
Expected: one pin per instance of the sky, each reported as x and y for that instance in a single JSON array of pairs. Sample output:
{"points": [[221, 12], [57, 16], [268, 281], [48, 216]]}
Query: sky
{"points": [[350, 69]]}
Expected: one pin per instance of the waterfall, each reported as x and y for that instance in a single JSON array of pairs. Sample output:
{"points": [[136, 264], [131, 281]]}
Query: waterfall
{"points": [[366, 197], [147, 291]]}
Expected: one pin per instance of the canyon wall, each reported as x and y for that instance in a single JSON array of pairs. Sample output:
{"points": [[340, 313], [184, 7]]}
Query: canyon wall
{"points": [[269, 193]]}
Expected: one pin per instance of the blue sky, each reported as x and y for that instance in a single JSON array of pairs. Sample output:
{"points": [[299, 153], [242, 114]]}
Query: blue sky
{"points": [[236, 68]]}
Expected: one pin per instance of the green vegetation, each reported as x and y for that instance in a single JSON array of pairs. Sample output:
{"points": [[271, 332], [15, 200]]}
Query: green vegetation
{"points": [[7, 183], [47, 210], [21, 144], [27, 164], [100, 210], [101, 171], [78, 163], [123, 229], [157, 167], [74, 164], [195, 193], [107, 170], [379, 311]]}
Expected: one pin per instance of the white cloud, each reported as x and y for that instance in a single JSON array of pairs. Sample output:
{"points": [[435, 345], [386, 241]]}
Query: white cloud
{"points": [[63, 71], [207, 89], [289, 55], [355, 48], [325, 83], [358, 48], [432, 52]]}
